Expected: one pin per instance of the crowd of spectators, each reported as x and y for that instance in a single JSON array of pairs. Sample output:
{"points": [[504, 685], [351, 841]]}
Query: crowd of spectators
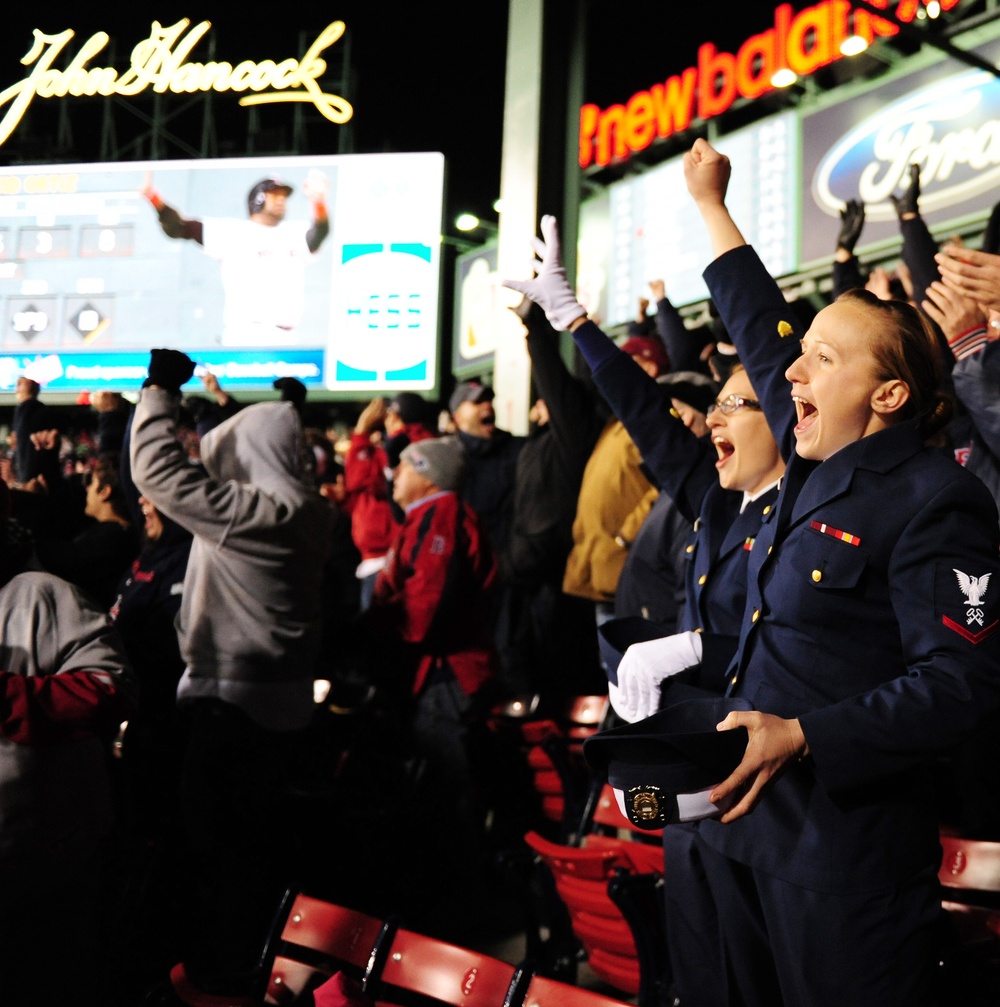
{"points": [[207, 562]]}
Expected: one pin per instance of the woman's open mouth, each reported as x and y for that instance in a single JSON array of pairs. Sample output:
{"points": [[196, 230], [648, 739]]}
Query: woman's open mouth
{"points": [[805, 411], [724, 448]]}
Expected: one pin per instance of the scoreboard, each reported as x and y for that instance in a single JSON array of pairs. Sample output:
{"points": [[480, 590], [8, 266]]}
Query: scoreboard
{"points": [[89, 281], [647, 227]]}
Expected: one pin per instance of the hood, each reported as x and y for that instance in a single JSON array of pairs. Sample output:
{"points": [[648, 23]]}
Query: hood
{"points": [[263, 444]]}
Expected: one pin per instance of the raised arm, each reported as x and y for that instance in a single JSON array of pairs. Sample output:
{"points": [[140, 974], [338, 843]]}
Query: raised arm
{"points": [[171, 222], [707, 173], [316, 187], [919, 246], [765, 331], [571, 403], [846, 268], [683, 348], [670, 451]]}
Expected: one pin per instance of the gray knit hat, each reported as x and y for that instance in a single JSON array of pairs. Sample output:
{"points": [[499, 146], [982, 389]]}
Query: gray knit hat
{"points": [[439, 459]]}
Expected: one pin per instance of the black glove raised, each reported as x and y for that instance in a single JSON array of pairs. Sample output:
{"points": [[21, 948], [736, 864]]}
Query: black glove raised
{"points": [[852, 219], [292, 390], [169, 369], [907, 203], [531, 314]]}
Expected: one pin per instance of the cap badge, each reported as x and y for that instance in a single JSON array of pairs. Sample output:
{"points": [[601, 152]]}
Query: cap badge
{"points": [[646, 807]]}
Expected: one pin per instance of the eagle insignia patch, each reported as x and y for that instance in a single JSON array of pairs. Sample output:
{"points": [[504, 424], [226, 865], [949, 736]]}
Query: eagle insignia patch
{"points": [[972, 624], [973, 588]]}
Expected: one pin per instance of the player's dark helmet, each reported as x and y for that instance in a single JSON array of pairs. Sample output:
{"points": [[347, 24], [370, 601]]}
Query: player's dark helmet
{"points": [[255, 199]]}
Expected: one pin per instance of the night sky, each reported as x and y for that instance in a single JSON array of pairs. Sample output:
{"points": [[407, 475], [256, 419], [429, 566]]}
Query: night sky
{"points": [[415, 87]]}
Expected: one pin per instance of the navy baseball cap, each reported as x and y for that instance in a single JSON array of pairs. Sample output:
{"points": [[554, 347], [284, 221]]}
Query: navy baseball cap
{"points": [[469, 391]]}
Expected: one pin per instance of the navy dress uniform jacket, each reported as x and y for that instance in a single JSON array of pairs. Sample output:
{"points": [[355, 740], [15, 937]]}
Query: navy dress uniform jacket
{"points": [[683, 465], [869, 617]]}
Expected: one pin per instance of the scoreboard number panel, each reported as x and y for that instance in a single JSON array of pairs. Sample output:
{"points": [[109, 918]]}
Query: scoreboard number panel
{"points": [[44, 243], [97, 241], [31, 323]]}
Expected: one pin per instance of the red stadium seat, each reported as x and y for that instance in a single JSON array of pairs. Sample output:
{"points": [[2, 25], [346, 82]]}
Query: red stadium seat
{"points": [[543, 992], [316, 939], [444, 972], [970, 885], [610, 888], [551, 743]]}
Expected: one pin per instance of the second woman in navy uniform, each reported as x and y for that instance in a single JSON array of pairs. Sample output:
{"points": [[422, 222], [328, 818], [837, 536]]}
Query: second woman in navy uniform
{"points": [[726, 485]]}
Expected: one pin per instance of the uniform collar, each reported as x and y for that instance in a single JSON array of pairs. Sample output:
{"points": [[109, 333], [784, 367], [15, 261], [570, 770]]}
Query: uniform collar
{"points": [[878, 452], [809, 484], [748, 498]]}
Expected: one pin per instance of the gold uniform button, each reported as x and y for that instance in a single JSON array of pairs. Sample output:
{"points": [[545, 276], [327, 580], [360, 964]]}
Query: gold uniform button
{"points": [[756, 615], [817, 575], [767, 509], [690, 548], [703, 578], [734, 679], [770, 549]]}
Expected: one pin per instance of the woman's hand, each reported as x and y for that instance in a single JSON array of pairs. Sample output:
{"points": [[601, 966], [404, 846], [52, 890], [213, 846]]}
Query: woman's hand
{"points": [[773, 743], [974, 274], [953, 312], [706, 173]]}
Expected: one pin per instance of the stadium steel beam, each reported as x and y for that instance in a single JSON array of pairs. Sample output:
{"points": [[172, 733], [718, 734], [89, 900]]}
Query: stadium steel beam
{"points": [[925, 36], [539, 171]]}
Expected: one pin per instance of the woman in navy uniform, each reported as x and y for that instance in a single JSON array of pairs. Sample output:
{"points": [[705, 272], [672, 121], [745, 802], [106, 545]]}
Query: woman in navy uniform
{"points": [[868, 646], [726, 485]]}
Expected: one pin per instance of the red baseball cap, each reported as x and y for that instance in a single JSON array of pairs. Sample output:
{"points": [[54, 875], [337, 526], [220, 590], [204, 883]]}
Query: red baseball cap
{"points": [[648, 348]]}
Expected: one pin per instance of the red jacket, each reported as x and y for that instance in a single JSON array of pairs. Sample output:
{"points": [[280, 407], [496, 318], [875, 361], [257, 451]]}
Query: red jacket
{"points": [[436, 591], [373, 525]]}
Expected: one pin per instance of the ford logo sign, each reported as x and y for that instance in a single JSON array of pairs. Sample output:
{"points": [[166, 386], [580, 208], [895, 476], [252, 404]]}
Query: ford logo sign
{"points": [[950, 128]]}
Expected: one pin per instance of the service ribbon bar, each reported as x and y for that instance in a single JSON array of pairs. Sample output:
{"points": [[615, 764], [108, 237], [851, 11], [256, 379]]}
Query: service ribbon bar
{"points": [[844, 536]]}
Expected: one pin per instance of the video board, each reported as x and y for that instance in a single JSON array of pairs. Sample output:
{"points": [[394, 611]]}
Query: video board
{"points": [[90, 281], [647, 227]]}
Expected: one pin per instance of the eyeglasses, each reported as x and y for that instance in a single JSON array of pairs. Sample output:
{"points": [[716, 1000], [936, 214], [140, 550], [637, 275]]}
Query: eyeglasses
{"points": [[733, 404]]}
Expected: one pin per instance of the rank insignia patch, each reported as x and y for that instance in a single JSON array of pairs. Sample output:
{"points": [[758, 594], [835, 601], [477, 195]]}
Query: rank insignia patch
{"points": [[974, 623]]}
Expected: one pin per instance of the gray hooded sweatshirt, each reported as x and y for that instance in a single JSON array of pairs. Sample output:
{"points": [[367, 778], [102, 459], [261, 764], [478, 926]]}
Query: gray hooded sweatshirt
{"points": [[249, 622]]}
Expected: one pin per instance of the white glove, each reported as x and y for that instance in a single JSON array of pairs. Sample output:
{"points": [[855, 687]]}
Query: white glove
{"points": [[550, 289], [644, 666]]}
